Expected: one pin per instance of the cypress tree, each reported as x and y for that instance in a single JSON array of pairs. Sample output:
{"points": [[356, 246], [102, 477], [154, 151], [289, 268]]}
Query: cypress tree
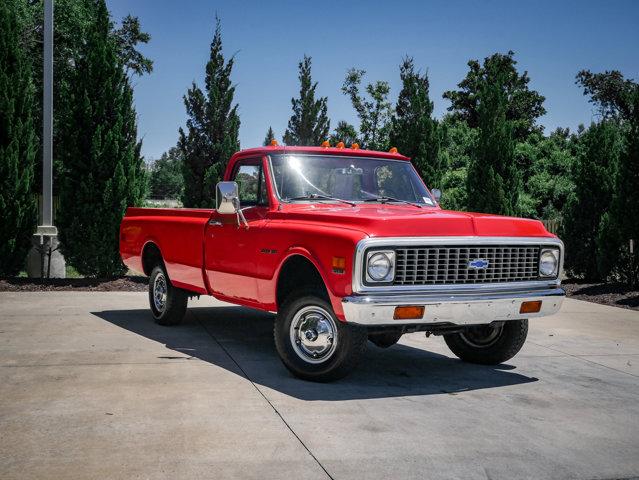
{"points": [[18, 144], [492, 184], [270, 136], [212, 129], [594, 175], [309, 124], [413, 129], [103, 169]]}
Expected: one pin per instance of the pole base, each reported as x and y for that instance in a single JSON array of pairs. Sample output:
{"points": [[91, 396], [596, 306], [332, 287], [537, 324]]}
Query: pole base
{"points": [[45, 259]]}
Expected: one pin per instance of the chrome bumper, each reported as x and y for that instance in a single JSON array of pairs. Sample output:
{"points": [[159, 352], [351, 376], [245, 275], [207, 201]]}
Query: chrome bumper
{"points": [[456, 309]]}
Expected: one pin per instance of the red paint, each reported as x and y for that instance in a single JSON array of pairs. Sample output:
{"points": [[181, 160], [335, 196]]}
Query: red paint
{"points": [[242, 265]]}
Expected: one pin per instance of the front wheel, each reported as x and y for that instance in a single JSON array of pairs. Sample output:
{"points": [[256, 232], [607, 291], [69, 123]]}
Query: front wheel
{"points": [[489, 344], [168, 303], [312, 343]]}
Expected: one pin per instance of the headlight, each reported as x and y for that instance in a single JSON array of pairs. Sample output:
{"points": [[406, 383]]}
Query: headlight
{"points": [[380, 266], [549, 262]]}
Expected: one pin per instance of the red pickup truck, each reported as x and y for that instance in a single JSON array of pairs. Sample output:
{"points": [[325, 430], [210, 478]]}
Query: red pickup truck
{"points": [[347, 245]]}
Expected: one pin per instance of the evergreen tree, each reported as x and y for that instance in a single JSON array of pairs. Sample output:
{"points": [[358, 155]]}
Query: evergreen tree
{"points": [[523, 106], [458, 142], [493, 183], [414, 130], [620, 225], [72, 22], [103, 169], [545, 165], [374, 113], [212, 129], [594, 175], [309, 124], [344, 132], [165, 180], [18, 144], [270, 136]]}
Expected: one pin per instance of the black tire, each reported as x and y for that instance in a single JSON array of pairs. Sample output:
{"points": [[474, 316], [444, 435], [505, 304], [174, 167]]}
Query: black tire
{"points": [[310, 308], [385, 339], [171, 311], [475, 345]]}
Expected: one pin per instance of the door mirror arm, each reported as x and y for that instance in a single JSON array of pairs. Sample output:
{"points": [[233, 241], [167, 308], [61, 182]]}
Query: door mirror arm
{"points": [[241, 219]]}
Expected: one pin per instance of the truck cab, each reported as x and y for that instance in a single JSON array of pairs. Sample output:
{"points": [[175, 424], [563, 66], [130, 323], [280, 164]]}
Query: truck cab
{"points": [[345, 246]]}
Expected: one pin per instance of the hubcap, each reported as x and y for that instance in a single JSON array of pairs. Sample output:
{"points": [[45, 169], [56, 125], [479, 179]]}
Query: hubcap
{"points": [[159, 292], [313, 334], [482, 336]]}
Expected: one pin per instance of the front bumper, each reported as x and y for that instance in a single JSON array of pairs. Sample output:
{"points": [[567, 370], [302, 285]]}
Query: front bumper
{"points": [[450, 309]]}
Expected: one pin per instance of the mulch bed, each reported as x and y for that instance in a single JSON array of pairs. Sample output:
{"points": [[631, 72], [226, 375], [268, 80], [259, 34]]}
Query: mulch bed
{"points": [[614, 294], [125, 284]]}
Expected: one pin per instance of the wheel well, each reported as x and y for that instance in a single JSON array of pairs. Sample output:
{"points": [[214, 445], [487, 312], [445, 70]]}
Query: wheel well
{"points": [[151, 257], [298, 273]]}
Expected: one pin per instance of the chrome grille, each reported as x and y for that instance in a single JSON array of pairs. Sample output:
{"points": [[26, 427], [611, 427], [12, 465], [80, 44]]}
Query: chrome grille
{"points": [[449, 264]]}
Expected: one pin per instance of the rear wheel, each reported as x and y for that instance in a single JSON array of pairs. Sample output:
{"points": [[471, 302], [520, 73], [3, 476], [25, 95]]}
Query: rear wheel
{"points": [[312, 343], [489, 344], [168, 303]]}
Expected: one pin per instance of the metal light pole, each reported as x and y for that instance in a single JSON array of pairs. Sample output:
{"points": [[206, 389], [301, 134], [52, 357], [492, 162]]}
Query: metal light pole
{"points": [[51, 263]]}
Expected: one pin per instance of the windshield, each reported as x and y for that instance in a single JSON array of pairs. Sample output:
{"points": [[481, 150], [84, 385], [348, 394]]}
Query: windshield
{"points": [[324, 178]]}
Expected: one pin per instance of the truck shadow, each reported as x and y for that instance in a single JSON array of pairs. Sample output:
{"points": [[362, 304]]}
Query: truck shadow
{"points": [[241, 341]]}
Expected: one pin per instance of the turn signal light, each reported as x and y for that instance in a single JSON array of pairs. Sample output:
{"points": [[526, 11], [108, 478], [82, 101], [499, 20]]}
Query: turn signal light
{"points": [[409, 312], [326, 144], [530, 307]]}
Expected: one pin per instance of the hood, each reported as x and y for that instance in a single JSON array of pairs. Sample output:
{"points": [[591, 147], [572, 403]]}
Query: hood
{"points": [[393, 220]]}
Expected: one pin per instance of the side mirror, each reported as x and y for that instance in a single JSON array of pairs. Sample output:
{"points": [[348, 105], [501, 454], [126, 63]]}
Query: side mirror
{"points": [[437, 194], [227, 198]]}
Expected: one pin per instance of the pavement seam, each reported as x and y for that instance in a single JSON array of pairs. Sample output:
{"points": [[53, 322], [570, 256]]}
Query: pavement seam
{"points": [[582, 357], [262, 394]]}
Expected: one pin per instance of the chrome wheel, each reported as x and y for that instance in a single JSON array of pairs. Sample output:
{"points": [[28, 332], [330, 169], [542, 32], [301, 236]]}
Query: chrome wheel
{"points": [[159, 292], [482, 336], [313, 334]]}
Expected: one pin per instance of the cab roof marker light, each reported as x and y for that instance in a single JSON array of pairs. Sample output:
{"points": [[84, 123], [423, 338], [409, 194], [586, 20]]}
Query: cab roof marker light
{"points": [[325, 144], [340, 145], [273, 143], [393, 150]]}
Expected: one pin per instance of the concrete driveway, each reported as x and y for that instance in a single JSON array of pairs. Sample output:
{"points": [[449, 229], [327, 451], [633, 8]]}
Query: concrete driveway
{"points": [[90, 387]]}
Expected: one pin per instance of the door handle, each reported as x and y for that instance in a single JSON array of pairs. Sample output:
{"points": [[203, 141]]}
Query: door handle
{"points": [[215, 223]]}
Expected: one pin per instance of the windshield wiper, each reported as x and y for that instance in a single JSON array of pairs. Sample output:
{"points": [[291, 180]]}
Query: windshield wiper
{"points": [[316, 196], [385, 199]]}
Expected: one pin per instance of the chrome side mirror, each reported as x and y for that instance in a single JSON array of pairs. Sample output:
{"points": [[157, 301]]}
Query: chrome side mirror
{"points": [[437, 194], [227, 198]]}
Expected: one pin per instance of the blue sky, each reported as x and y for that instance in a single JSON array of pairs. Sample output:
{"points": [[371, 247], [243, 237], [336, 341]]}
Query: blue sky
{"points": [[552, 40]]}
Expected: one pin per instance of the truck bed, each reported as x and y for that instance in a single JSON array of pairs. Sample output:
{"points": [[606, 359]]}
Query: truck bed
{"points": [[179, 235]]}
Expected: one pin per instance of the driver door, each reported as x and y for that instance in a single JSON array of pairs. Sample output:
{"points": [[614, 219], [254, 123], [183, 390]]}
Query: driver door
{"points": [[230, 248]]}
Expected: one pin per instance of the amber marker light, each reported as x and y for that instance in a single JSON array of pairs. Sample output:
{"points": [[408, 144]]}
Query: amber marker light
{"points": [[530, 307], [339, 264], [273, 143], [393, 150], [355, 146], [326, 144], [340, 145], [408, 312]]}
